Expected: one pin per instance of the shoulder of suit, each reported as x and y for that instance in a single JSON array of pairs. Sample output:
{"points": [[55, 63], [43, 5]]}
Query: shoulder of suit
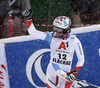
{"points": [[72, 36], [49, 33]]}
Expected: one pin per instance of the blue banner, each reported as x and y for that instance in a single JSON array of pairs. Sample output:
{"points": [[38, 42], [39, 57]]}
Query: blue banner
{"points": [[18, 55], [91, 45], [27, 61]]}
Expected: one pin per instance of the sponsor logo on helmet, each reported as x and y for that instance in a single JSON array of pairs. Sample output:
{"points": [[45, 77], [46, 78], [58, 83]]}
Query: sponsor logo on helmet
{"points": [[62, 20], [58, 22]]}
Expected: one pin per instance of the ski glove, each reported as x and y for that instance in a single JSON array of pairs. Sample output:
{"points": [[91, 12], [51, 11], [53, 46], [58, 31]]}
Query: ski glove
{"points": [[72, 75], [27, 14]]}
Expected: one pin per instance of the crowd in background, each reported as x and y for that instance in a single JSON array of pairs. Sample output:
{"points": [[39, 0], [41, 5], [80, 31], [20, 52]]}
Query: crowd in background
{"points": [[44, 8], [14, 8]]}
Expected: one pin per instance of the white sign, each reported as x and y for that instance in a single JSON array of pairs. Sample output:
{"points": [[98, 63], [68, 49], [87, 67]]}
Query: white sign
{"points": [[4, 80]]}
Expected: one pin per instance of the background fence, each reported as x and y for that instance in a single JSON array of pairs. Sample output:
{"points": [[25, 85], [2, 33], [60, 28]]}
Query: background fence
{"points": [[14, 26], [81, 12]]}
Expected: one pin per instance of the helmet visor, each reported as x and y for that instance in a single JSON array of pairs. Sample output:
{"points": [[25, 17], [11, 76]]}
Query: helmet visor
{"points": [[59, 30]]}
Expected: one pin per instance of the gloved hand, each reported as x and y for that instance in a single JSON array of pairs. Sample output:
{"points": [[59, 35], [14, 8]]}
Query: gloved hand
{"points": [[27, 14], [71, 75]]}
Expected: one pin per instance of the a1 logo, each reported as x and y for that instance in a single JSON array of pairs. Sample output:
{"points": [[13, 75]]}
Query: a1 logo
{"points": [[63, 45]]}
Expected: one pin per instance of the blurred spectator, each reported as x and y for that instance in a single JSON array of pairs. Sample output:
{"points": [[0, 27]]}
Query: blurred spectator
{"points": [[3, 11], [86, 7], [14, 8]]}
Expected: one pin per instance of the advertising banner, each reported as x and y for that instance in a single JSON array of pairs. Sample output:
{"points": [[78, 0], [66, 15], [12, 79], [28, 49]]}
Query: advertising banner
{"points": [[27, 61], [4, 79]]}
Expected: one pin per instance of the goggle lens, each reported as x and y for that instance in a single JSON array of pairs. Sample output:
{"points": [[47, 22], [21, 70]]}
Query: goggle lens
{"points": [[59, 30]]}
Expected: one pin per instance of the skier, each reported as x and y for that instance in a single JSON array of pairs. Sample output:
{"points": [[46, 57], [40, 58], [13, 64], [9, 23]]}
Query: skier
{"points": [[63, 45]]}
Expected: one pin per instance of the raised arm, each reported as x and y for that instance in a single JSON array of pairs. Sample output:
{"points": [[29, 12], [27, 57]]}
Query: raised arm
{"points": [[30, 26], [33, 32]]}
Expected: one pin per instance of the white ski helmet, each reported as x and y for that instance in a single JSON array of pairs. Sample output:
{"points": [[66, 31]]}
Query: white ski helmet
{"points": [[62, 24]]}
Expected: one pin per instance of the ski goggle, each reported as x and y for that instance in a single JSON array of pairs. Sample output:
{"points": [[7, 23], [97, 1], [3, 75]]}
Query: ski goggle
{"points": [[59, 30]]}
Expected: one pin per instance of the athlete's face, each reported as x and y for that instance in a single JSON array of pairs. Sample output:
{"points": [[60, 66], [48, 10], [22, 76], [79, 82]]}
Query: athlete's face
{"points": [[59, 34]]}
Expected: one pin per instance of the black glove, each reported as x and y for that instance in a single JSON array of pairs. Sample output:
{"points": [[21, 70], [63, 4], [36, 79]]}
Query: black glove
{"points": [[72, 75], [27, 14]]}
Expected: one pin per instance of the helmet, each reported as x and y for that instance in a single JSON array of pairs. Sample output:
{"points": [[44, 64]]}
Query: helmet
{"points": [[61, 24]]}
